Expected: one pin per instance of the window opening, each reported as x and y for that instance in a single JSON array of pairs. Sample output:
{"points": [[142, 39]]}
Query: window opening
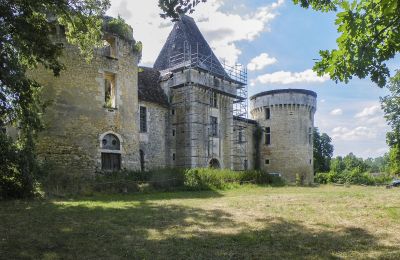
{"points": [[267, 135], [214, 126], [143, 119], [109, 90]]}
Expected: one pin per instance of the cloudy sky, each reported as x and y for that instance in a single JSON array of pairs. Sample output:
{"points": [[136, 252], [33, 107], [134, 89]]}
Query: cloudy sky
{"points": [[277, 41]]}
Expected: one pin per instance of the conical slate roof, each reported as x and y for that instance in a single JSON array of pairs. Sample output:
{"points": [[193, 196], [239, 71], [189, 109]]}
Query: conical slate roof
{"points": [[186, 33]]}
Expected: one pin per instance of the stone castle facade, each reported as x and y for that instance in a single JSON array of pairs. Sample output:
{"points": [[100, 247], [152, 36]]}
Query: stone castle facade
{"points": [[111, 114]]}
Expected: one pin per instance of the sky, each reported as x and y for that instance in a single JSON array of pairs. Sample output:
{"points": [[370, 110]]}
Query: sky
{"points": [[278, 42]]}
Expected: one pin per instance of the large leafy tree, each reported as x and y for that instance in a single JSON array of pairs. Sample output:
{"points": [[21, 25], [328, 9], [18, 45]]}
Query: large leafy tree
{"points": [[323, 151], [369, 35], [391, 108], [25, 42]]}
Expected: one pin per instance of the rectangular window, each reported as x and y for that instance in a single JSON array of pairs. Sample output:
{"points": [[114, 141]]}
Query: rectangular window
{"points": [[213, 99], [143, 119], [309, 136], [173, 132], [173, 157], [246, 164], [111, 161], [267, 113], [240, 136], [214, 126], [110, 47], [267, 135], [267, 161], [109, 90], [173, 111]]}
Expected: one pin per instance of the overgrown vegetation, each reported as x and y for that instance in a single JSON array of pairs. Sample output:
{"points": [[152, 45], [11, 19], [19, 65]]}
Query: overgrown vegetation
{"points": [[353, 170], [62, 184]]}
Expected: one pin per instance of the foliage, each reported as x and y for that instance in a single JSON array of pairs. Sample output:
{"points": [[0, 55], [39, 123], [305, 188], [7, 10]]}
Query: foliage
{"points": [[369, 36], [322, 151], [25, 42], [210, 179], [119, 27], [174, 8], [60, 184], [391, 108], [353, 170]]}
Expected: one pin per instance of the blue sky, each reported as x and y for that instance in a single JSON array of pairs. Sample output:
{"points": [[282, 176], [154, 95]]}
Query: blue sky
{"points": [[277, 41]]}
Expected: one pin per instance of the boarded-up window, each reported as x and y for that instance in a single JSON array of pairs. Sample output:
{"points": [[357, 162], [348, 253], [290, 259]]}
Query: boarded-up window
{"points": [[267, 135], [111, 161], [143, 119], [214, 126]]}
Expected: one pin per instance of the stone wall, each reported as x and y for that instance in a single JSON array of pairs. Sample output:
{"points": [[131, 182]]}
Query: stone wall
{"points": [[192, 145], [243, 145], [154, 142], [291, 121], [77, 119]]}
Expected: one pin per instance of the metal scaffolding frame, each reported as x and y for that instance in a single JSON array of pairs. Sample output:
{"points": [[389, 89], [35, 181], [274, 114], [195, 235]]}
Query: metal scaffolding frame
{"points": [[210, 68]]}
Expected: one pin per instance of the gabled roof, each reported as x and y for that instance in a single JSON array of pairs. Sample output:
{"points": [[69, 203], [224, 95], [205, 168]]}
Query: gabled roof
{"points": [[149, 86], [186, 33]]}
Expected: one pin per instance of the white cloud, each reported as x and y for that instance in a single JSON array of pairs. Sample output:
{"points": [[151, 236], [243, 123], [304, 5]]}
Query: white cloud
{"points": [[220, 28], [260, 62], [369, 112], [287, 77], [352, 134], [336, 112]]}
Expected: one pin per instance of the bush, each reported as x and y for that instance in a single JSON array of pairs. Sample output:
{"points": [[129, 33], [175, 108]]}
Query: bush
{"points": [[61, 184], [352, 177]]}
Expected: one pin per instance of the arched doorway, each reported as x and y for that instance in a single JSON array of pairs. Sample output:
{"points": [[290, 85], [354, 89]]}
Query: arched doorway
{"points": [[142, 166], [214, 163]]}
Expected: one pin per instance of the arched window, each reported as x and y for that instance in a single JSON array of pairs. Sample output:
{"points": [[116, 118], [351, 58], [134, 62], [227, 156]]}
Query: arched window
{"points": [[111, 159], [110, 142]]}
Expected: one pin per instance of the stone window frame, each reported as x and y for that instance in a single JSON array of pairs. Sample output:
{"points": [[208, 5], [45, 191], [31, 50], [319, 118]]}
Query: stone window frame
{"points": [[214, 99], [310, 139], [213, 126], [112, 77], [267, 137], [110, 48], [267, 113], [101, 150]]}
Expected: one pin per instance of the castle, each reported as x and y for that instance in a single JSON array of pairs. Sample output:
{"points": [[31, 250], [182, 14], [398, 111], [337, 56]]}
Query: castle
{"points": [[189, 110]]}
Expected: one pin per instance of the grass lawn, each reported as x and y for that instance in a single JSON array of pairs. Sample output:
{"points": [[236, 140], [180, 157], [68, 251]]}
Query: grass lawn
{"points": [[249, 222]]}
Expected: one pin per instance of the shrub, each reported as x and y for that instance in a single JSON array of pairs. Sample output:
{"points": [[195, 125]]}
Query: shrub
{"points": [[356, 176]]}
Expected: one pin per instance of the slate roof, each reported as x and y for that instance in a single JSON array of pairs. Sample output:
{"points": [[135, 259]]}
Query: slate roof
{"points": [[149, 86], [185, 31]]}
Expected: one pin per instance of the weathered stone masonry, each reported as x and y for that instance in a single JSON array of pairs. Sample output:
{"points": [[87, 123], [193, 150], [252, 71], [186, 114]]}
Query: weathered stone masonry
{"points": [[110, 114]]}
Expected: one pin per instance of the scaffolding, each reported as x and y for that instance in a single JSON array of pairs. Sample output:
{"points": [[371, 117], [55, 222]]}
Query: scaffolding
{"points": [[211, 68]]}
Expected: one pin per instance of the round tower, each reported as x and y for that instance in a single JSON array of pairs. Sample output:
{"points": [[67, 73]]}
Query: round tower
{"points": [[286, 119]]}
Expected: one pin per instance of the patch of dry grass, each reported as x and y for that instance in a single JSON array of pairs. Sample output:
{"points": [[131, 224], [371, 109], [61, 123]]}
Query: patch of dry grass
{"points": [[249, 222]]}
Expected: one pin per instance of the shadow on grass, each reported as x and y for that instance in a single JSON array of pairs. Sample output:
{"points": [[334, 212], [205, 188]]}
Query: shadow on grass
{"points": [[143, 229]]}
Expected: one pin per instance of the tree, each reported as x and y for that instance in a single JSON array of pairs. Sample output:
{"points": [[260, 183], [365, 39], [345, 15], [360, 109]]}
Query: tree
{"points": [[369, 36], [391, 108], [25, 42], [323, 151]]}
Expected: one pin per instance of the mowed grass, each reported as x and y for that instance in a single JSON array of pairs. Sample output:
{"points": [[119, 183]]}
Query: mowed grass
{"points": [[246, 223]]}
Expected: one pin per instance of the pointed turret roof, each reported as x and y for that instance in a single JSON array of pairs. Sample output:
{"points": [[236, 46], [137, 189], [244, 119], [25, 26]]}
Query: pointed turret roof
{"points": [[186, 33]]}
